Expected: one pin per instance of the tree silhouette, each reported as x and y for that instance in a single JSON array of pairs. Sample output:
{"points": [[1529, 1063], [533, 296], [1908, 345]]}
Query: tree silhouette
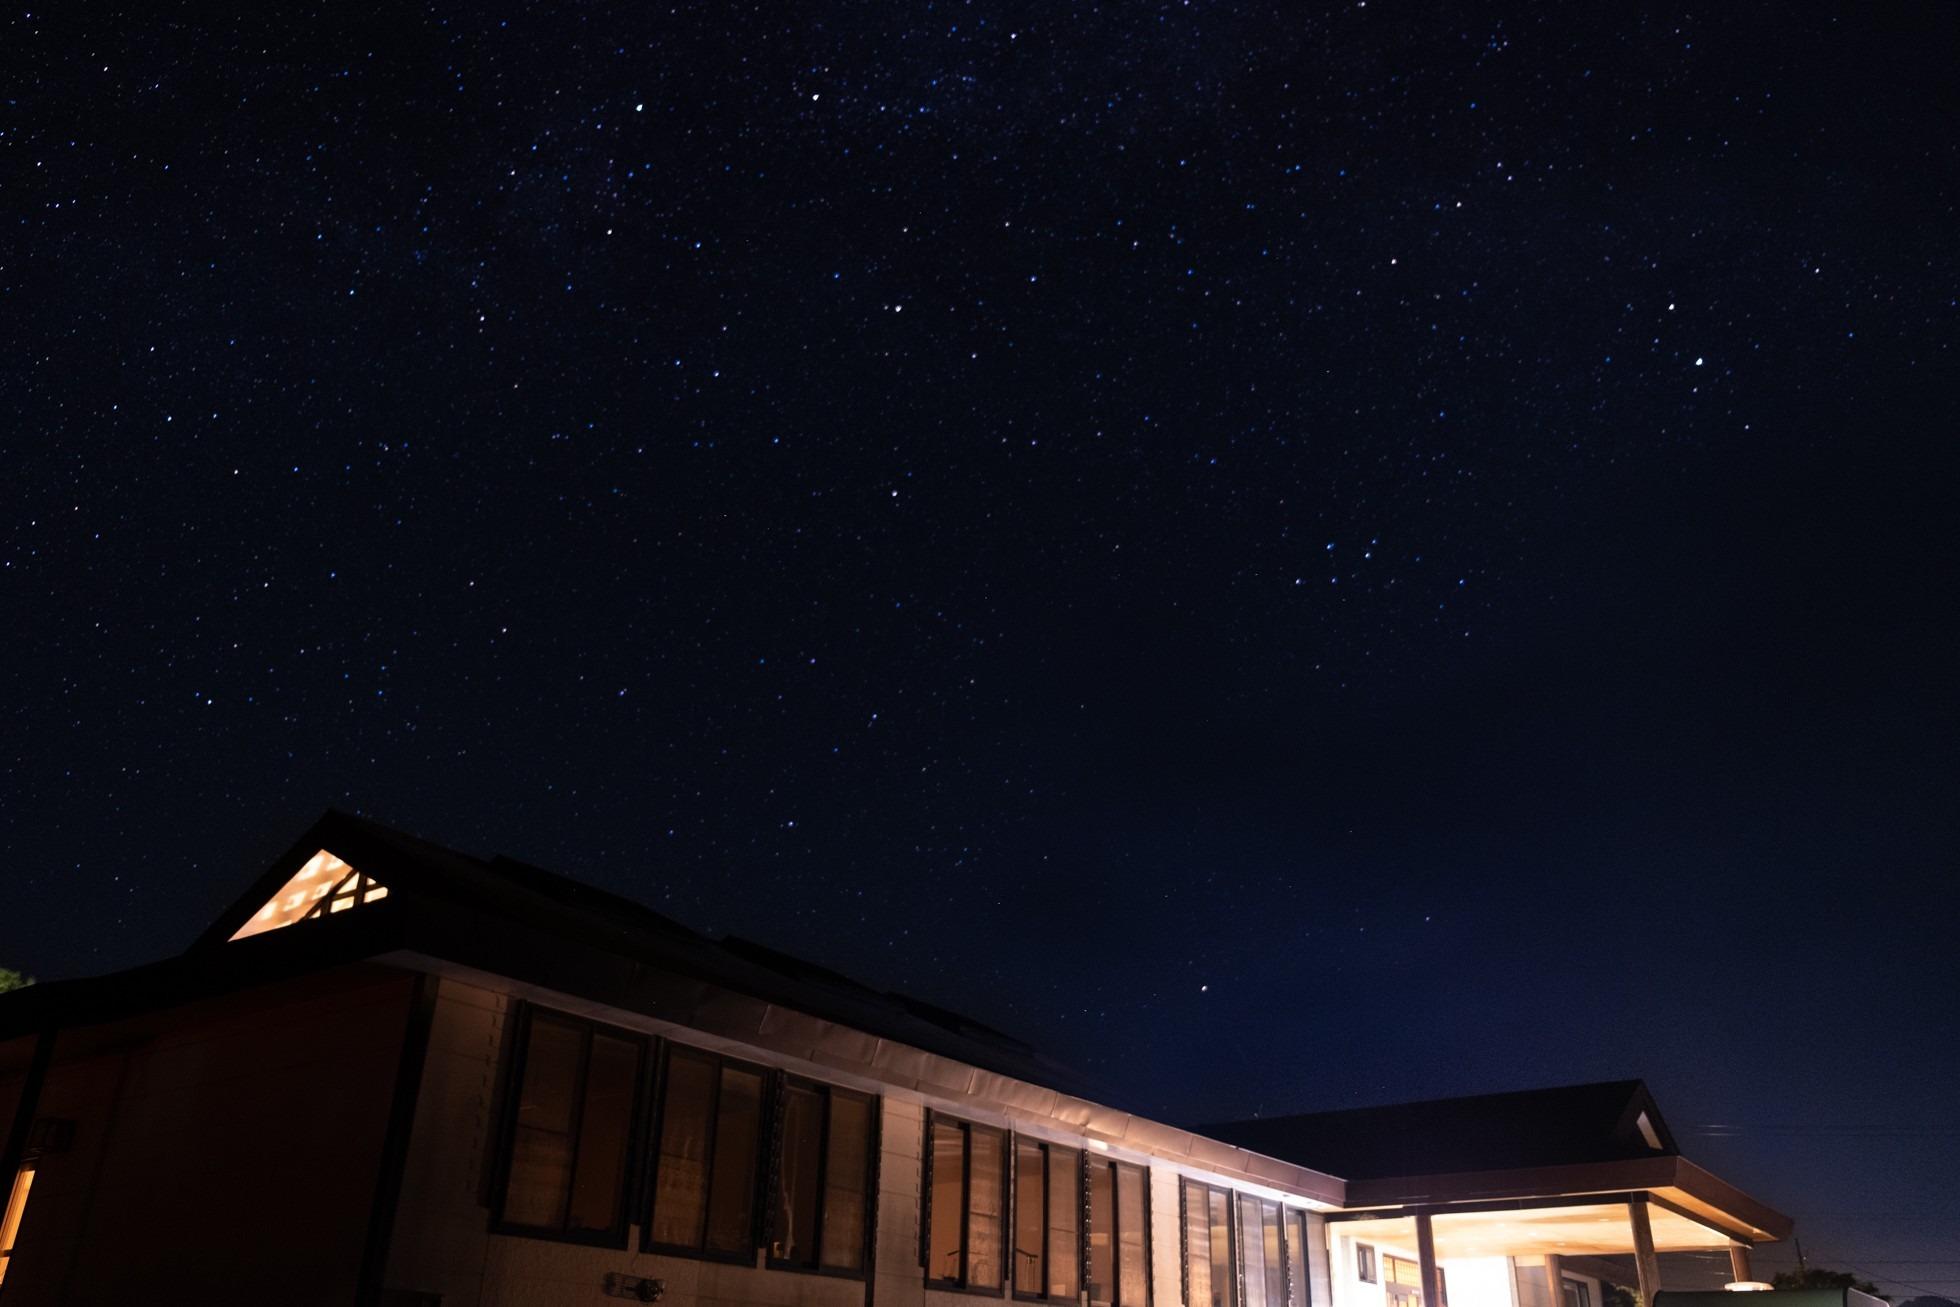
{"points": [[1818, 1277]]}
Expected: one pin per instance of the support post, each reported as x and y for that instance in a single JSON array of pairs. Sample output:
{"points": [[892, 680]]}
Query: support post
{"points": [[1739, 1261], [1644, 1259], [1554, 1281], [1432, 1283]]}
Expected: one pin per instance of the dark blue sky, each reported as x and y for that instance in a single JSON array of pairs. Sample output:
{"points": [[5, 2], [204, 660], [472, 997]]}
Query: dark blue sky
{"points": [[1294, 557]]}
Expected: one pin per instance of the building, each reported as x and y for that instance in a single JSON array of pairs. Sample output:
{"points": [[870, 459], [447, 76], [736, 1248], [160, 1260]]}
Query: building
{"points": [[396, 1074]]}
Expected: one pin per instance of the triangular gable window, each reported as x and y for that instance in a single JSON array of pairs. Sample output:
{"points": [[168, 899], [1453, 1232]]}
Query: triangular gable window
{"points": [[325, 885]]}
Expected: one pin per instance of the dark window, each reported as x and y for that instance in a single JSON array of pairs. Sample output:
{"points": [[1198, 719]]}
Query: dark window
{"points": [[1364, 1262], [705, 1160], [968, 1200], [823, 1178], [1047, 1212], [574, 1104], [1297, 1293], [846, 1223], [1119, 1274], [1208, 1270], [1577, 1292]]}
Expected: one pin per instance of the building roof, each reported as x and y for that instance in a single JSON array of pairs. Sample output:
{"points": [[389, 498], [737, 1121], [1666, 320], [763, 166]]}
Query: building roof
{"points": [[434, 885], [430, 907], [1501, 1153], [1484, 1132]]}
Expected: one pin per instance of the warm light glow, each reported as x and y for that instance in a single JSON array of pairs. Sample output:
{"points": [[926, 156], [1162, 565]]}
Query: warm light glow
{"points": [[10, 1220], [1580, 1230], [1749, 1286], [324, 885]]}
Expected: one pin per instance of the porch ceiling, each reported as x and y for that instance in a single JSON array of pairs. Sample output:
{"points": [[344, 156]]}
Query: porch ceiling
{"points": [[1595, 1229]]}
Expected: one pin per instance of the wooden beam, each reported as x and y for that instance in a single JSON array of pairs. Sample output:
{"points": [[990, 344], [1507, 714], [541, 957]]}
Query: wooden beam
{"points": [[1739, 1261], [1645, 1262], [1554, 1280], [1432, 1283]]}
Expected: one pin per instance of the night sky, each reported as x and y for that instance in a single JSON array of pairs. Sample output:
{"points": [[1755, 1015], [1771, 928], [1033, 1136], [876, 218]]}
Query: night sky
{"points": [[1294, 558]]}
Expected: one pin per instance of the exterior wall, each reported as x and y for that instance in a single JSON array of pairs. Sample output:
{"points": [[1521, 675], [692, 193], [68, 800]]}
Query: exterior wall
{"points": [[1528, 1279], [1166, 1240], [1349, 1289], [15, 1054], [900, 1280], [224, 1151], [1482, 1282], [1528, 1284], [443, 1243]]}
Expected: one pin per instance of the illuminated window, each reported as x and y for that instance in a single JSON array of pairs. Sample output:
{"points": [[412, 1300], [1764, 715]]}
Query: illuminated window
{"points": [[966, 1201], [10, 1219], [1118, 1218], [1262, 1262], [823, 1178], [575, 1096], [1047, 1214], [1208, 1268], [325, 885], [706, 1160], [1404, 1277]]}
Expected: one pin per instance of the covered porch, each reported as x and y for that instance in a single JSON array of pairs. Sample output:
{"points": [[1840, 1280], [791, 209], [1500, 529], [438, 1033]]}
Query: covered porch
{"points": [[1568, 1241]]}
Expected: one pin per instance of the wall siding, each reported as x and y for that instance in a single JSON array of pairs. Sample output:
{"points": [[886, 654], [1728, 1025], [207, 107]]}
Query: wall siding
{"points": [[224, 1151]]}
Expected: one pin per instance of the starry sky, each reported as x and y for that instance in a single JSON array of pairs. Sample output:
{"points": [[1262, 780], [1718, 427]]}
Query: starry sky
{"points": [[1294, 556]]}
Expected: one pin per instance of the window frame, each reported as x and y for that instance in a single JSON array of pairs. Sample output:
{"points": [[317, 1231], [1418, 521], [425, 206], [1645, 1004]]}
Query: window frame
{"points": [[1367, 1267], [774, 1141], [1239, 1199], [765, 1149], [513, 1088], [963, 1284], [1186, 1183], [1046, 1149], [1299, 1277], [1115, 1165]]}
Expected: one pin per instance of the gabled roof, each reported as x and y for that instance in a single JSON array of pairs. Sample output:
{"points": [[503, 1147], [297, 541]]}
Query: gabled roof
{"points": [[444, 902], [1485, 1132]]}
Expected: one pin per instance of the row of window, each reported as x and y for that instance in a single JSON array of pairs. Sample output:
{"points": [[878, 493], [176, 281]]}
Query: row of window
{"points": [[1241, 1250], [1075, 1220], [721, 1158], [738, 1157]]}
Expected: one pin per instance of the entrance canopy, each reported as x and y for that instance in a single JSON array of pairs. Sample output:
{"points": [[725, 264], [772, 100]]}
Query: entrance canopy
{"points": [[1550, 1170], [1595, 1228]]}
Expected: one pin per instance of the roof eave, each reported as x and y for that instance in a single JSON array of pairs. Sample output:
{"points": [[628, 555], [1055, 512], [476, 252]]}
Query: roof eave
{"points": [[1670, 1179]]}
